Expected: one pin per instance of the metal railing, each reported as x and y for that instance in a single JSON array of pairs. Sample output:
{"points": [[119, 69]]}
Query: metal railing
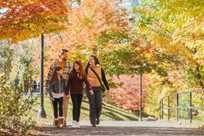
{"points": [[164, 107], [188, 108], [183, 103]]}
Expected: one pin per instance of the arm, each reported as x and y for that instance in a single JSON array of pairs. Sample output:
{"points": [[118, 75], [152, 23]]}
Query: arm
{"points": [[104, 79], [49, 80], [88, 85], [68, 85]]}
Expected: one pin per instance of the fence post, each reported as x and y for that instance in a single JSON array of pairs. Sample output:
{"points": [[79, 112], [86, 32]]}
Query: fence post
{"points": [[190, 107], [141, 97], [177, 106], [162, 109], [168, 108]]}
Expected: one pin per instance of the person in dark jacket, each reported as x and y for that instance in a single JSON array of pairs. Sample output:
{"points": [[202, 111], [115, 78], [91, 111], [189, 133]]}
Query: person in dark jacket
{"points": [[96, 78], [65, 70], [76, 84], [56, 88]]}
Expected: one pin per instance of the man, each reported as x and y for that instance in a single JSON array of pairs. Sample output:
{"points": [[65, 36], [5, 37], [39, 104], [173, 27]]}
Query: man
{"points": [[65, 69]]}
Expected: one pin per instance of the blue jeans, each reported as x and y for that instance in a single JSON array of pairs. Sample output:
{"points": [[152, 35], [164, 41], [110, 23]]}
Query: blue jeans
{"points": [[95, 105], [76, 102]]}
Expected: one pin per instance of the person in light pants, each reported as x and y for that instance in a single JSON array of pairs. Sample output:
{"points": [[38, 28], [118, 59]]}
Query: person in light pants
{"points": [[66, 69]]}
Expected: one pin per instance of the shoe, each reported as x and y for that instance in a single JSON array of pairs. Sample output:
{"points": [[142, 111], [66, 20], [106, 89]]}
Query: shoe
{"points": [[55, 122], [77, 125], [73, 124], [97, 121], [93, 125], [61, 122]]}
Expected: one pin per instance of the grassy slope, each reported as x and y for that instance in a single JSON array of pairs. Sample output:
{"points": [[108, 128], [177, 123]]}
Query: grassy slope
{"points": [[110, 112]]}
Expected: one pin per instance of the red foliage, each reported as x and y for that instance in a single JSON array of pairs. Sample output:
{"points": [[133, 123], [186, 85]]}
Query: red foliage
{"points": [[127, 95]]}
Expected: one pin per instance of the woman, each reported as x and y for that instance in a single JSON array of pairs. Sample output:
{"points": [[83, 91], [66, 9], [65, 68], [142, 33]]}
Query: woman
{"points": [[75, 87], [56, 87], [97, 80]]}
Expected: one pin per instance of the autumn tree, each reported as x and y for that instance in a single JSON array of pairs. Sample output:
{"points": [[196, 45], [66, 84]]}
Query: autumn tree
{"points": [[23, 19], [174, 29], [168, 39], [93, 25]]}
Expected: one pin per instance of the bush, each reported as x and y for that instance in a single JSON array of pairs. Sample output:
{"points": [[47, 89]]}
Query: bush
{"points": [[14, 105]]}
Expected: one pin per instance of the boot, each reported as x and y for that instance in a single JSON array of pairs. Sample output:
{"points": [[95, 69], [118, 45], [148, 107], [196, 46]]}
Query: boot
{"points": [[61, 122], [65, 123], [55, 122]]}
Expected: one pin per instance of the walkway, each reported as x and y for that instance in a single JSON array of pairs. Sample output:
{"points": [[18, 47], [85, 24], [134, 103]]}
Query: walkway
{"points": [[125, 128]]}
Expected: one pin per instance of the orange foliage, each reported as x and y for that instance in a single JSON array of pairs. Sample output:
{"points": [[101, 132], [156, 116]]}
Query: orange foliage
{"points": [[29, 18], [85, 24]]}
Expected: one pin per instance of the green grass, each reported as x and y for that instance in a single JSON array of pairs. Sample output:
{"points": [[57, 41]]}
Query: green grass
{"points": [[110, 112]]}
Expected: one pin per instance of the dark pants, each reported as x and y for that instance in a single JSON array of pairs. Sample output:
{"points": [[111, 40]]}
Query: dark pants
{"points": [[95, 105], [76, 102], [58, 107]]}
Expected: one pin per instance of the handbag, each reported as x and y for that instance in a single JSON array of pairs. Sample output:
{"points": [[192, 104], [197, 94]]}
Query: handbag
{"points": [[99, 79]]}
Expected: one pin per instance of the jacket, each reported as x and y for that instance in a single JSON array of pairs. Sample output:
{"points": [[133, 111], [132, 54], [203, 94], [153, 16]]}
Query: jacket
{"points": [[52, 79], [76, 85]]}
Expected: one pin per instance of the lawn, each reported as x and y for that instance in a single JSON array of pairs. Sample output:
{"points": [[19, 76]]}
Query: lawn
{"points": [[110, 112]]}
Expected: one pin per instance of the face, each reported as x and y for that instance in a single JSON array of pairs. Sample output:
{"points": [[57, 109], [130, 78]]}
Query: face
{"points": [[91, 61], [76, 66], [59, 72], [65, 76], [64, 56]]}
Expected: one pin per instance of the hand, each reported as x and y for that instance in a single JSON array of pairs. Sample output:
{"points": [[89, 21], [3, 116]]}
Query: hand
{"points": [[65, 76], [51, 98], [91, 92], [104, 93], [46, 92], [66, 96]]}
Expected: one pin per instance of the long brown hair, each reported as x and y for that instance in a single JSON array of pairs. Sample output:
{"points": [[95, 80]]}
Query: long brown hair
{"points": [[81, 70], [96, 63]]}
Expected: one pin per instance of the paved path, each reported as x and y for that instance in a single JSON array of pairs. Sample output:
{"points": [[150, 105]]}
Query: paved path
{"points": [[124, 128]]}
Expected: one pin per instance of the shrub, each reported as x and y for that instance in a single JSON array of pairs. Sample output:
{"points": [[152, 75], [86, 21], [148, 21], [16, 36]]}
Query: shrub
{"points": [[14, 105]]}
